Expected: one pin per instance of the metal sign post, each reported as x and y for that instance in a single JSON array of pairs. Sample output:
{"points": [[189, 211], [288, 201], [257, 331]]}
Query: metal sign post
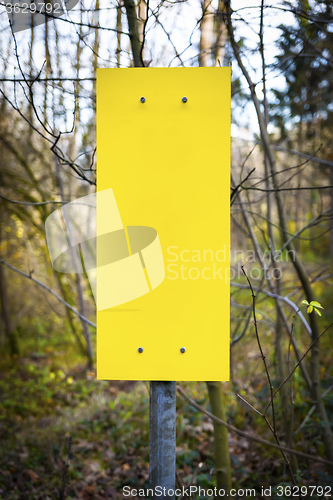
{"points": [[162, 441], [163, 242]]}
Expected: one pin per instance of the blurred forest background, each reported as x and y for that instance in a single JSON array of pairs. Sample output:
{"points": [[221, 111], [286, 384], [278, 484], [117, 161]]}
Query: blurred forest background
{"points": [[66, 435]]}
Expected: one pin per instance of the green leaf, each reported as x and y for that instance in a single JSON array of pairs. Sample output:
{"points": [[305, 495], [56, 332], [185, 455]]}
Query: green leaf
{"points": [[127, 415], [305, 302], [310, 309], [318, 312], [316, 304]]}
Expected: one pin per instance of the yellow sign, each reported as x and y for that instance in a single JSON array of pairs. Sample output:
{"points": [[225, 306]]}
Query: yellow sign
{"points": [[163, 154]]}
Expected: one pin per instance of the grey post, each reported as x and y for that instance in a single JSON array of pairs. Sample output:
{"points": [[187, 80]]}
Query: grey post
{"points": [[162, 442]]}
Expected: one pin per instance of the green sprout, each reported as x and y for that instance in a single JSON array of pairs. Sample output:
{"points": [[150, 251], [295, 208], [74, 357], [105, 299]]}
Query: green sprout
{"points": [[313, 306]]}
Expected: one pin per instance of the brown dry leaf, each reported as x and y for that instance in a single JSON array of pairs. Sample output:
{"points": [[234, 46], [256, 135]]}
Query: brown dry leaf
{"points": [[88, 492], [93, 466], [243, 443], [111, 492], [317, 466], [187, 470], [80, 444], [109, 455], [32, 474]]}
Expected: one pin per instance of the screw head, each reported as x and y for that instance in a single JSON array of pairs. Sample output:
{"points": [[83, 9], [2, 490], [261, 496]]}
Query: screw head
{"points": [[140, 349], [182, 350], [184, 99], [142, 99]]}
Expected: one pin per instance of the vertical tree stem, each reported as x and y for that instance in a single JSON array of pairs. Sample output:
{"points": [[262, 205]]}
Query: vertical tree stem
{"points": [[221, 444]]}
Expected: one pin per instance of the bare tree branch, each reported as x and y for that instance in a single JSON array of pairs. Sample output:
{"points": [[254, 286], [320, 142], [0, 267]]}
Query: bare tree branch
{"points": [[48, 289]]}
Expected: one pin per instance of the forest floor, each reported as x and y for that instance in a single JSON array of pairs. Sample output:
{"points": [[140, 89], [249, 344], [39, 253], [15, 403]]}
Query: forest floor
{"points": [[64, 435]]}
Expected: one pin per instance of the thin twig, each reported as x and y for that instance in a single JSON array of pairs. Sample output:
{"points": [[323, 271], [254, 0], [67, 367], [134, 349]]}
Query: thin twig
{"points": [[278, 297], [248, 404], [65, 471], [42, 285], [247, 435], [32, 203], [235, 189], [271, 427], [297, 364], [312, 409]]}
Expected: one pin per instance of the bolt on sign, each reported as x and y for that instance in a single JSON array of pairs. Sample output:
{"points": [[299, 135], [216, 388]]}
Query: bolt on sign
{"points": [[163, 191]]}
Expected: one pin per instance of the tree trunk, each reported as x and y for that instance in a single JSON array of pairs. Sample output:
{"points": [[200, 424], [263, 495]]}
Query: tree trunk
{"points": [[221, 444], [133, 27], [215, 391], [206, 34], [9, 336], [220, 35], [82, 309], [331, 230], [119, 29]]}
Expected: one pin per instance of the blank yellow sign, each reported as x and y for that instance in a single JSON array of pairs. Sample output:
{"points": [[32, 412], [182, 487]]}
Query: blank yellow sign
{"points": [[163, 147]]}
